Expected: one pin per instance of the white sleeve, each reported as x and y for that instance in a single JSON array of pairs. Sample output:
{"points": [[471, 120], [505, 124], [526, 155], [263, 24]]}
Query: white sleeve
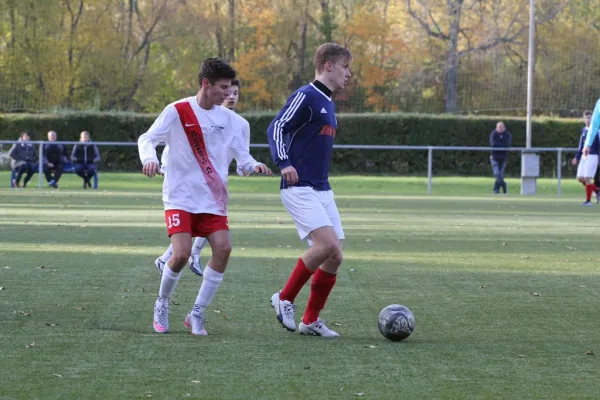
{"points": [[246, 140], [240, 149], [158, 132]]}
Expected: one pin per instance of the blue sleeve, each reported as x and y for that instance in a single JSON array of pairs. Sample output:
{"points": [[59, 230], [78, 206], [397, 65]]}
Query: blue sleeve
{"points": [[292, 116], [492, 139], [580, 148], [593, 131]]}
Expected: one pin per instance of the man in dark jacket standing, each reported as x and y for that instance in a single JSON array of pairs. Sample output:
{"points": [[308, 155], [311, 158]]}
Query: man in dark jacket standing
{"points": [[501, 138], [55, 157]]}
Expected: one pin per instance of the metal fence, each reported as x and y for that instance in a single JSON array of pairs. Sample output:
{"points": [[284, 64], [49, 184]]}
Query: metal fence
{"points": [[430, 149]]}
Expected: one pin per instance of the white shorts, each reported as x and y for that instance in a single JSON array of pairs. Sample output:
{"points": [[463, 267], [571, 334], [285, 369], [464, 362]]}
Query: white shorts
{"points": [[311, 209], [587, 166]]}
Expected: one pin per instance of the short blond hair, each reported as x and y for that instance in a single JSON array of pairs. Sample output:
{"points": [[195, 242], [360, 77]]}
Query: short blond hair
{"points": [[331, 52]]}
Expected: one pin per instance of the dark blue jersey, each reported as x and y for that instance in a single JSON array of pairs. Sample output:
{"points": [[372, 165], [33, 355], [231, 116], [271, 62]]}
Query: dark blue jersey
{"points": [[594, 147], [302, 134]]}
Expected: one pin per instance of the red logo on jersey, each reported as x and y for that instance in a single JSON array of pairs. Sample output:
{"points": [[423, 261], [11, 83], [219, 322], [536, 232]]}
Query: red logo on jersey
{"points": [[327, 131]]}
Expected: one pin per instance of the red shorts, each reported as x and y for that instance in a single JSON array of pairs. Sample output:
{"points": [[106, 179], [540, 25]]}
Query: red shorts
{"points": [[197, 225]]}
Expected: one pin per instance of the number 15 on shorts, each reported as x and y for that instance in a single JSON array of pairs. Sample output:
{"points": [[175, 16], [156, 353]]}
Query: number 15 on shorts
{"points": [[173, 221]]}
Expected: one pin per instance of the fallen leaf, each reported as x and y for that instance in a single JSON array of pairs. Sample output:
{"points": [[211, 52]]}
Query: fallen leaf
{"points": [[370, 346], [352, 270], [32, 345], [337, 324], [80, 308], [217, 311], [57, 375], [195, 381], [142, 290], [175, 303], [535, 294], [126, 290], [524, 257], [504, 244], [125, 296], [42, 267], [1, 287], [360, 394], [521, 356], [307, 367], [96, 288], [54, 270], [482, 287], [589, 353], [583, 286], [7, 267], [225, 316], [367, 240], [49, 324]]}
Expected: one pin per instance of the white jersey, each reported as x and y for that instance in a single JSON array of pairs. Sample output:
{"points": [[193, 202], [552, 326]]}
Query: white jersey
{"points": [[185, 186], [245, 127]]}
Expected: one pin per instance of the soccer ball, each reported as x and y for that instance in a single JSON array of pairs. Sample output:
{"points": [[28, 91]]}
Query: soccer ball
{"points": [[396, 322]]}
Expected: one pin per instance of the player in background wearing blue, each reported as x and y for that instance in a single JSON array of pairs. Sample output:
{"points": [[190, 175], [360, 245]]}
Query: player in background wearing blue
{"points": [[301, 140], [194, 261], [587, 167], [593, 130]]}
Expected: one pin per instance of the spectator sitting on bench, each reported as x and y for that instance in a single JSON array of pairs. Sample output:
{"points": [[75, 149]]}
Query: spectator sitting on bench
{"points": [[55, 157], [24, 160], [85, 157]]}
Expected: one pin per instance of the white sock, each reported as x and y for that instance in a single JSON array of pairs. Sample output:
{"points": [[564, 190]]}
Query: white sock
{"points": [[210, 284], [168, 282], [199, 244], [167, 254]]}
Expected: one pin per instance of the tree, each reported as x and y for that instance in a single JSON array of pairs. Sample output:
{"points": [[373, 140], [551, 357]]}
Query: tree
{"points": [[482, 28]]}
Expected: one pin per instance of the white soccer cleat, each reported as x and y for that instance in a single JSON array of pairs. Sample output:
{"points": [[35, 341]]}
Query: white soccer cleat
{"points": [[160, 265], [195, 264], [285, 312], [317, 328], [161, 315], [195, 321]]}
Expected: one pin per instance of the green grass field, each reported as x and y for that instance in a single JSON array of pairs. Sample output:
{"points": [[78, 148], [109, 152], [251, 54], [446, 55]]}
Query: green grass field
{"points": [[505, 292]]}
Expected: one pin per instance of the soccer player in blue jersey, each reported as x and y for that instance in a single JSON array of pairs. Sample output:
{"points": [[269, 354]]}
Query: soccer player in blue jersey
{"points": [[593, 130], [301, 140], [587, 166]]}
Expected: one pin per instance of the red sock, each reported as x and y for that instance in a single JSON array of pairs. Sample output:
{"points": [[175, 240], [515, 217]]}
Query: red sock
{"points": [[300, 275], [594, 187], [588, 192], [320, 288]]}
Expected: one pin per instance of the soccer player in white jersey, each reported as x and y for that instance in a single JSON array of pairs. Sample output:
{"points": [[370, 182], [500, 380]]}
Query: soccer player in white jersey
{"points": [[301, 140], [203, 137], [195, 261]]}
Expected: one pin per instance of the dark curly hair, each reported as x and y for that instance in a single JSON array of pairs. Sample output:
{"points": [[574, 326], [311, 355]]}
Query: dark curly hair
{"points": [[236, 82], [214, 69]]}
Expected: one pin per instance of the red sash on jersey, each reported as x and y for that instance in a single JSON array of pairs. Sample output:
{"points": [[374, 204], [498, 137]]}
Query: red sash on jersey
{"points": [[193, 132]]}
